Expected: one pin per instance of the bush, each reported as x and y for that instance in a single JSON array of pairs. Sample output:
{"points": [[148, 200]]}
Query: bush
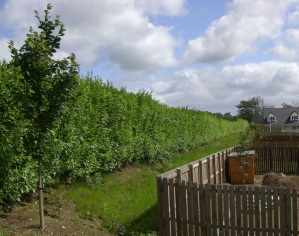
{"points": [[99, 130]]}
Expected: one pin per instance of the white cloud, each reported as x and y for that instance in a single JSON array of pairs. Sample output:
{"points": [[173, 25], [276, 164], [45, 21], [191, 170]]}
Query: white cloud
{"points": [[283, 51], [4, 50], [124, 42], [97, 30], [19, 15], [293, 17], [288, 45], [152, 51], [165, 7], [204, 89], [292, 36], [247, 22]]}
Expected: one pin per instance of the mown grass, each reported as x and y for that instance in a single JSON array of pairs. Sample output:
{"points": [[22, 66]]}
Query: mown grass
{"points": [[126, 200]]}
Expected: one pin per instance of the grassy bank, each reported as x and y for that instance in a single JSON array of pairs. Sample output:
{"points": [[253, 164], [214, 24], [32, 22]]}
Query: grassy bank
{"points": [[126, 200]]}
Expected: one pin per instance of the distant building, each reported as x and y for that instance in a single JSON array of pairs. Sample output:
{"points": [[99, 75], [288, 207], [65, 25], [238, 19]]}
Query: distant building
{"points": [[281, 119]]}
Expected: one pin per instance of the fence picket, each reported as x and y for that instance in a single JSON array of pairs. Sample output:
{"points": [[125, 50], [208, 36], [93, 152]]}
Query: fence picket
{"points": [[263, 211], [220, 207], [178, 201], [196, 208], [166, 206], [288, 218], [214, 169], [160, 204], [220, 169], [226, 210], [250, 211], [277, 159], [202, 209], [275, 214], [244, 210], [209, 175], [207, 209], [184, 208], [257, 211], [190, 208], [295, 211], [282, 211], [214, 209], [172, 206], [269, 199], [232, 207], [238, 209]]}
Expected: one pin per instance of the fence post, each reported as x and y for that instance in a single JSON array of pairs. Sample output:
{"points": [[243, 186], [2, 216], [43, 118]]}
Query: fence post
{"points": [[178, 203], [209, 169], [202, 210], [172, 216], [200, 173], [220, 168], [166, 207], [190, 207], [179, 174], [160, 205], [196, 208], [214, 168], [226, 167], [190, 173]]}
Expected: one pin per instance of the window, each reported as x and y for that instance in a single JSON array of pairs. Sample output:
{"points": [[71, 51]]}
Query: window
{"points": [[296, 127], [271, 118], [294, 117]]}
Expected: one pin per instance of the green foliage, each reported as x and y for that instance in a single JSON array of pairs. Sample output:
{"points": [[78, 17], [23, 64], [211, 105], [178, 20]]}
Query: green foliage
{"points": [[45, 84], [82, 127], [35, 88], [251, 109], [102, 129], [246, 138], [127, 199], [17, 171], [106, 129]]}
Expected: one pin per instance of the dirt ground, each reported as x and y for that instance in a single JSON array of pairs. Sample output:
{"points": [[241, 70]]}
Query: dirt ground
{"points": [[277, 180], [61, 218]]}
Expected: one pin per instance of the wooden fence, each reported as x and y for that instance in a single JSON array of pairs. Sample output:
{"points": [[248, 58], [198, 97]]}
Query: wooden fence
{"points": [[188, 198], [212, 169], [277, 158], [277, 152], [196, 209]]}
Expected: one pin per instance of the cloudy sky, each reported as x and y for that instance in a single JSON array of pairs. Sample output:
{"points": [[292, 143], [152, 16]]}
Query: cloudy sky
{"points": [[207, 55]]}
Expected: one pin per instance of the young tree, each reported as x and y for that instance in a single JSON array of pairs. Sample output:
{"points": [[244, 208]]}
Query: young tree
{"points": [[251, 110], [46, 84]]}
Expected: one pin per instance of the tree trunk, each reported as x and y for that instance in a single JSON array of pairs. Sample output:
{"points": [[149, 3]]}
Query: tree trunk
{"points": [[40, 193]]}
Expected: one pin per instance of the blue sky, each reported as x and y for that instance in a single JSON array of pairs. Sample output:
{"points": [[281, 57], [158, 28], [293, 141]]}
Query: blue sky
{"points": [[207, 55]]}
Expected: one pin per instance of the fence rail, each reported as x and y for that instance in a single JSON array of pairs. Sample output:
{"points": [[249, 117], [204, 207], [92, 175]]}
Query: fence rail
{"points": [[212, 169], [198, 209], [189, 197], [277, 159]]}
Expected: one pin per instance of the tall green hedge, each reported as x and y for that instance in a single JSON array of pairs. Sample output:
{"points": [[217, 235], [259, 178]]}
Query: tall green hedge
{"points": [[17, 170], [101, 129], [107, 128]]}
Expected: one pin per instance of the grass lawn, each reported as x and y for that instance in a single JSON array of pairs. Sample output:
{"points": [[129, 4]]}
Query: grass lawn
{"points": [[126, 200]]}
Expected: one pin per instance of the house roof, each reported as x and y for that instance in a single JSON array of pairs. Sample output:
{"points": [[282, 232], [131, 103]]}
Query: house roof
{"points": [[282, 115]]}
